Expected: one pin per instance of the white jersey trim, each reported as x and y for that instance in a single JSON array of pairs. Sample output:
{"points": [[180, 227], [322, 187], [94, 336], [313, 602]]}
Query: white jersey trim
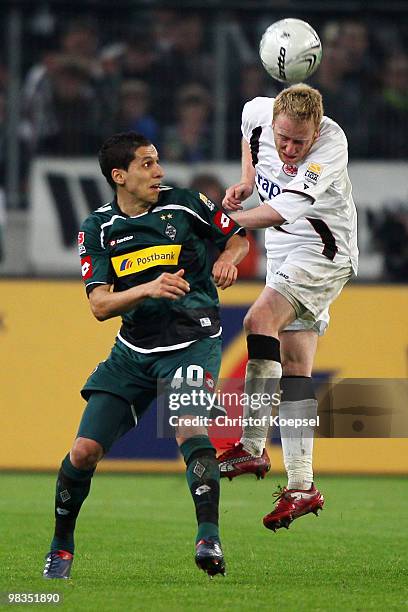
{"points": [[104, 208], [157, 349], [96, 283], [110, 222]]}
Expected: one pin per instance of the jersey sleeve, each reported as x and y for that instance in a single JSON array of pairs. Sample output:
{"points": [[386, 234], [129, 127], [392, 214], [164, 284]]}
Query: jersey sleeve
{"points": [[95, 263], [211, 222], [291, 206], [256, 112], [324, 165]]}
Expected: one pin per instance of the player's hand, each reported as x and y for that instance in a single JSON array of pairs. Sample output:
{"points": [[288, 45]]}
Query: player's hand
{"points": [[225, 274], [171, 286], [235, 195]]}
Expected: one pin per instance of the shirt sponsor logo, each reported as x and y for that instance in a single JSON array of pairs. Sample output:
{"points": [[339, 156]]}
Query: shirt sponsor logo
{"points": [[313, 172], [138, 261], [81, 238], [207, 201], [269, 188], [120, 240], [223, 222], [290, 169], [86, 267]]}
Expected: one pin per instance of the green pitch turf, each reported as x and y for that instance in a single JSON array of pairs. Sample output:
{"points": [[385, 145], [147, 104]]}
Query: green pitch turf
{"points": [[135, 547]]}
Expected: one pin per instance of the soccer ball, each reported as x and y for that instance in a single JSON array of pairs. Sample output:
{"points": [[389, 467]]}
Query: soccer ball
{"points": [[290, 50]]}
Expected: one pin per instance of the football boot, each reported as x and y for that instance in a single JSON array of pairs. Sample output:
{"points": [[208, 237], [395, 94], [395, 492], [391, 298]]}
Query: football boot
{"points": [[209, 557], [291, 504], [235, 461], [58, 564]]}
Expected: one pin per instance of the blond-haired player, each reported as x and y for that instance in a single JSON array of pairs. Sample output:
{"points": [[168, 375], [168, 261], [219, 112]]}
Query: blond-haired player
{"points": [[297, 160]]}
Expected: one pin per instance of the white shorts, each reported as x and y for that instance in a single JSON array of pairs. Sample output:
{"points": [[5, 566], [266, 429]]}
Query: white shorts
{"points": [[310, 282]]}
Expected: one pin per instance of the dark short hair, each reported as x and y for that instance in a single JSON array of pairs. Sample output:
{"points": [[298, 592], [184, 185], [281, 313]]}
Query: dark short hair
{"points": [[118, 151]]}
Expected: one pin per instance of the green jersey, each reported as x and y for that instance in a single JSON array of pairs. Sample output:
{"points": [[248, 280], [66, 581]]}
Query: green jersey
{"points": [[125, 251]]}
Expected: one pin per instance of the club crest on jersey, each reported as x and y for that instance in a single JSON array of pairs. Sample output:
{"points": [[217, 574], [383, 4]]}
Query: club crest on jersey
{"points": [[207, 201], [290, 169], [170, 231], [209, 381], [313, 171]]}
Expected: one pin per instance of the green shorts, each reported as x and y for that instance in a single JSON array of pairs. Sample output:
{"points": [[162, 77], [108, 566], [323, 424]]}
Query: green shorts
{"points": [[134, 376]]}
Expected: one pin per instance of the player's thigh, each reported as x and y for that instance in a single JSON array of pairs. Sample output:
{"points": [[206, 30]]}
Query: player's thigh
{"points": [[106, 418], [194, 367], [188, 378], [271, 312], [298, 349], [309, 281], [122, 376], [123, 373]]}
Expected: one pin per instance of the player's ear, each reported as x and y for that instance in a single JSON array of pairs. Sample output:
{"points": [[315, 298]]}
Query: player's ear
{"points": [[118, 176]]}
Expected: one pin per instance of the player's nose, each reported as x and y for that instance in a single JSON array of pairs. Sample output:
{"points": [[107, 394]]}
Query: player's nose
{"points": [[290, 148], [159, 171]]}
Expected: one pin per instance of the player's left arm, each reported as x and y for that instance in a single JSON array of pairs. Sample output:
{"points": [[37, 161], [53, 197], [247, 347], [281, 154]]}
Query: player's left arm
{"points": [[224, 270], [259, 217]]}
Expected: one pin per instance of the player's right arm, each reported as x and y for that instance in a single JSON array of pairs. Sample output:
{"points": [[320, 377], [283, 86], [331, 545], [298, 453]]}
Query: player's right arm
{"points": [[98, 276], [241, 191], [106, 304]]}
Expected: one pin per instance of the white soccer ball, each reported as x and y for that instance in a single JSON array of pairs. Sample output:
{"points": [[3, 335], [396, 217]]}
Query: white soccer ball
{"points": [[290, 50]]}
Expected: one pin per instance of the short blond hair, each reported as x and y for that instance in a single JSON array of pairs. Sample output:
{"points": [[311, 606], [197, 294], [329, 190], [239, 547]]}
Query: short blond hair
{"points": [[300, 102]]}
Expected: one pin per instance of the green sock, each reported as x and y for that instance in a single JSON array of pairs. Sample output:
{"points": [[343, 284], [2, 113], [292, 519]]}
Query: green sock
{"points": [[203, 478], [71, 491]]}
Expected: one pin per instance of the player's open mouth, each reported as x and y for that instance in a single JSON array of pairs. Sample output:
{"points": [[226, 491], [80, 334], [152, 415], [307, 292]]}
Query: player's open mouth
{"points": [[155, 187]]}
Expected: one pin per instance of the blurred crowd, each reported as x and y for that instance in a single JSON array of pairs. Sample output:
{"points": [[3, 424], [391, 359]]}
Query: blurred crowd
{"points": [[158, 77], [165, 74]]}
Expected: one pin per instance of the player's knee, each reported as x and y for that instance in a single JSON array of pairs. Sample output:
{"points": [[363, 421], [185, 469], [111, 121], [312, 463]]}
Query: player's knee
{"points": [[251, 322], [188, 428], [85, 453], [257, 322], [295, 367]]}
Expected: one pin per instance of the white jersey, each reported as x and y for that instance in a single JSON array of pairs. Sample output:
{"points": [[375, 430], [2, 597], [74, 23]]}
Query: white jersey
{"points": [[325, 221]]}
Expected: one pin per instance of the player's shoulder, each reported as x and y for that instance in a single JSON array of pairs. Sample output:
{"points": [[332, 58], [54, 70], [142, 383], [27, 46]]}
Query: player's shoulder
{"points": [[259, 109], [192, 202], [330, 130], [102, 214], [177, 196]]}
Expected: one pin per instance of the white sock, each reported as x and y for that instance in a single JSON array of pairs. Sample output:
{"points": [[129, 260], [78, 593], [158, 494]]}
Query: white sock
{"points": [[261, 377], [297, 443]]}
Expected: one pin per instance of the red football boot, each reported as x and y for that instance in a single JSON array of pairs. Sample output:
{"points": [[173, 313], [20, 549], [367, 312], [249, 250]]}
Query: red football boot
{"points": [[236, 461], [292, 503]]}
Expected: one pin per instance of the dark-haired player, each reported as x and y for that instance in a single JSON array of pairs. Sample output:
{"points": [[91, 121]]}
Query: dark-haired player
{"points": [[143, 257]]}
